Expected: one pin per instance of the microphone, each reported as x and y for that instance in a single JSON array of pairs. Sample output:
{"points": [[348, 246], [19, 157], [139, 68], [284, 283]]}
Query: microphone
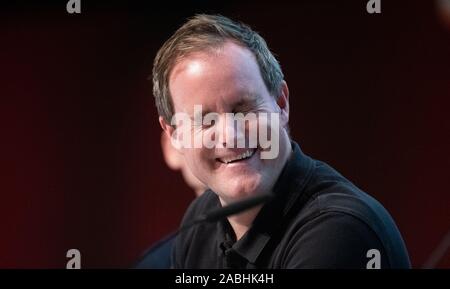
{"points": [[208, 217], [223, 212]]}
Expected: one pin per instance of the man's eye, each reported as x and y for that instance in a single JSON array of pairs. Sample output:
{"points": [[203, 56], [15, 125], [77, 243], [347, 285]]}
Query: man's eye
{"points": [[198, 125], [208, 125], [250, 111], [242, 111]]}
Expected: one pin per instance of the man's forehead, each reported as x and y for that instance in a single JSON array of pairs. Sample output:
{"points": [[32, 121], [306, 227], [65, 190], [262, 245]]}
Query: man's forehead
{"points": [[196, 60], [217, 83], [192, 64]]}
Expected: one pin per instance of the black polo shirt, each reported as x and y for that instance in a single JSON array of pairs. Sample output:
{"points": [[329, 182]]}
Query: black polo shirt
{"points": [[317, 219]]}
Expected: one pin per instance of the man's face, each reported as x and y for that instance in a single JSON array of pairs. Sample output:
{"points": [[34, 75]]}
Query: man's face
{"points": [[228, 81]]}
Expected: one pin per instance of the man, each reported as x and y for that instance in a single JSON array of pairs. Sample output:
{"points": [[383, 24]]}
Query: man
{"points": [[316, 219], [158, 255]]}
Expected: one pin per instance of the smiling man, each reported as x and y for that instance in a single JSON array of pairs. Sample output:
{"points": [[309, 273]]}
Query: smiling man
{"points": [[316, 219]]}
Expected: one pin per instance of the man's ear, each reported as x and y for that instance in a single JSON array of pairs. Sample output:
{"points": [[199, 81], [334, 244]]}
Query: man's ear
{"points": [[283, 104], [172, 156], [168, 129]]}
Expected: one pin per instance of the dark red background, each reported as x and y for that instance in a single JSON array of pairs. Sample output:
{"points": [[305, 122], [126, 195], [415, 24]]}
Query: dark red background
{"points": [[80, 161]]}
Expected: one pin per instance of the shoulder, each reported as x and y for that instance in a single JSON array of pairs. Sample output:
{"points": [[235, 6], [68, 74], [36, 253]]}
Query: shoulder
{"points": [[331, 192], [332, 240], [157, 256], [341, 217]]}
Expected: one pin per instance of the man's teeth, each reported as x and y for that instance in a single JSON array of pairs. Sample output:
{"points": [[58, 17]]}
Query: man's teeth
{"points": [[244, 155]]}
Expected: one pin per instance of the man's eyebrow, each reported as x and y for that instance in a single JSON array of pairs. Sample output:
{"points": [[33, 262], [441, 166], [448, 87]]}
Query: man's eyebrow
{"points": [[248, 101]]}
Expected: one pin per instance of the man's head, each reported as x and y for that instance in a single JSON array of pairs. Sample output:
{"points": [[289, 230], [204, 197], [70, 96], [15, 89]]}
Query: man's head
{"points": [[176, 162], [225, 67]]}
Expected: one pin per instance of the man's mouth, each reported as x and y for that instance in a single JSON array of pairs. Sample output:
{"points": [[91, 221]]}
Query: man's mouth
{"points": [[243, 156]]}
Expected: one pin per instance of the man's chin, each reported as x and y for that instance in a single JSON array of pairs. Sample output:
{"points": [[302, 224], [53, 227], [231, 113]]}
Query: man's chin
{"points": [[233, 194]]}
